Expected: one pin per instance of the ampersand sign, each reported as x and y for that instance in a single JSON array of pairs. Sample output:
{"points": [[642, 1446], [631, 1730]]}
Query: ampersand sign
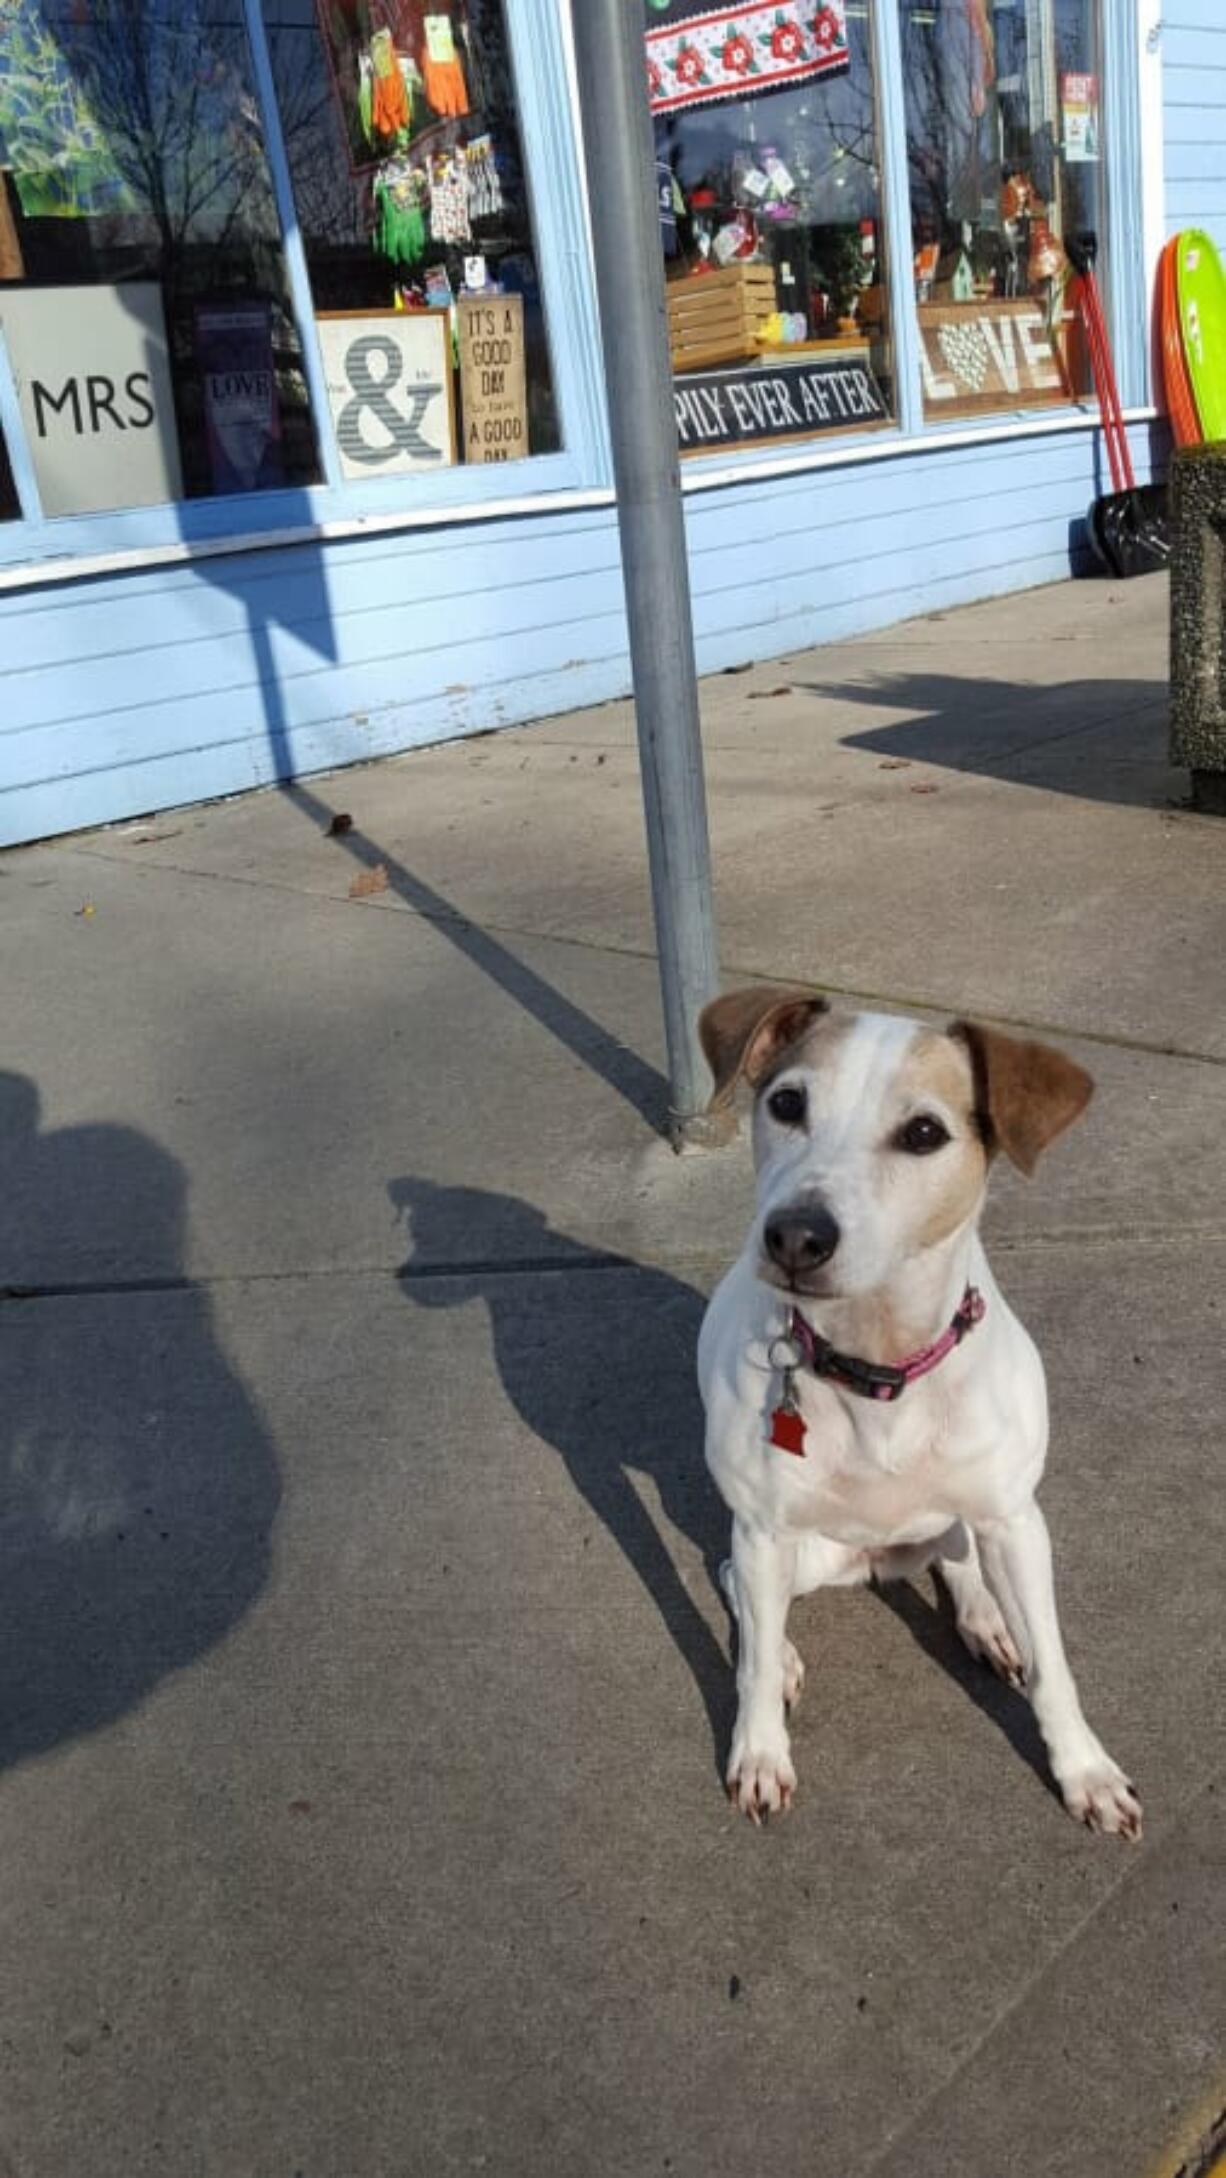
{"points": [[374, 394]]}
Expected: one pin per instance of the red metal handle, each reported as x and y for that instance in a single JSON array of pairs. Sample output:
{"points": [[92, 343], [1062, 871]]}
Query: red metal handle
{"points": [[1119, 454]]}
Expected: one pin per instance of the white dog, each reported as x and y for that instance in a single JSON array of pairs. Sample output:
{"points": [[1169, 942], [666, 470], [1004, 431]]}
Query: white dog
{"points": [[873, 1404]]}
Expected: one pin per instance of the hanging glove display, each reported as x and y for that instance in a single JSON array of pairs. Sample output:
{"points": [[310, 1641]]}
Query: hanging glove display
{"points": [[400, 194], [441, 71], [449, 198], [389, 96], [485, 198]]}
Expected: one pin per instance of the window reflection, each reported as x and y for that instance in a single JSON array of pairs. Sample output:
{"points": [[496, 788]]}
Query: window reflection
{"points": [[1004, 156], [770, 218], [142, 287], [401, 128]]}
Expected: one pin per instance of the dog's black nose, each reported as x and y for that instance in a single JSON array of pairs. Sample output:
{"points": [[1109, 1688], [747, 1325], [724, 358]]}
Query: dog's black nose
{"points": [[801, 1239]]}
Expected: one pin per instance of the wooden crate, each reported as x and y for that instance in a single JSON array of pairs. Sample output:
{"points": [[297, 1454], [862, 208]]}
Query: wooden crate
{"points": [[714, 317]]}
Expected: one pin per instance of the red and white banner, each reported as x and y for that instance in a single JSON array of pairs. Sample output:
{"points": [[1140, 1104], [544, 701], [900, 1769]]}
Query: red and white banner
{"points": [[738, 52]]}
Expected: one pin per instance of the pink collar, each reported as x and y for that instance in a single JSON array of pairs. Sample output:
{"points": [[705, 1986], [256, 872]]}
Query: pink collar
{"points": [[878, 1380]]}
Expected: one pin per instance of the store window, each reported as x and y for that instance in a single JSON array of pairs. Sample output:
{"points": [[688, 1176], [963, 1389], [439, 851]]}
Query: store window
{"points": [[770, 219], [143, 298], [1004, 152], [399, 121]]}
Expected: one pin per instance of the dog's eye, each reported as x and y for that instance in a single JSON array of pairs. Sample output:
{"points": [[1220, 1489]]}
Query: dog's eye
{"points": [[921, 1135], [788, 1106]]}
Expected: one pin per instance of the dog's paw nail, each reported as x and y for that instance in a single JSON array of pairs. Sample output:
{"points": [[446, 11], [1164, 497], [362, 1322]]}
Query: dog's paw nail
{"points": [[1102, 1798], [990, 1643], [761, 1786]]}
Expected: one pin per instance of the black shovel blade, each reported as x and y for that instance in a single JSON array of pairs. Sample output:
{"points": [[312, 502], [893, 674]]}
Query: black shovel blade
{"points": [[1130, 532]]}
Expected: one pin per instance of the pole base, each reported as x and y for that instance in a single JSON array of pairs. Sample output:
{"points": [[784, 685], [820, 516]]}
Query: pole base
{"points": [[702, 1130]]}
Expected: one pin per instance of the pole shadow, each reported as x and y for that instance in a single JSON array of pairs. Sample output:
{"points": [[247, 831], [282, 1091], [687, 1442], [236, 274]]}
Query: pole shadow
{"points": [[307, 616], [138, 1487]]}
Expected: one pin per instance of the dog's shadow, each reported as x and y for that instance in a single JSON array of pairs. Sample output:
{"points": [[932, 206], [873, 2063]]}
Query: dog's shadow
{"points": [[596, 1354], [931, 1624]]}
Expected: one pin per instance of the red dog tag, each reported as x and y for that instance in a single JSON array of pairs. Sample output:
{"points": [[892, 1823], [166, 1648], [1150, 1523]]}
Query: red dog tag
{"points": [[788, 1430]]}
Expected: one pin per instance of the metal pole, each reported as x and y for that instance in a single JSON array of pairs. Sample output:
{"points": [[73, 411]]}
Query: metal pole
{"points": [[621, 169]]}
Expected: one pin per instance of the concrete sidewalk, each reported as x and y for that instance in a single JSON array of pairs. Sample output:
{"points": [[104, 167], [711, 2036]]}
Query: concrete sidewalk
{"points": [[364, 1685]]}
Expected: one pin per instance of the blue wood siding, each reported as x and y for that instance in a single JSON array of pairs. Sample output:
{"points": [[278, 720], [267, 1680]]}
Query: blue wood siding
{"points": [[124, 695], [1194, 115]]}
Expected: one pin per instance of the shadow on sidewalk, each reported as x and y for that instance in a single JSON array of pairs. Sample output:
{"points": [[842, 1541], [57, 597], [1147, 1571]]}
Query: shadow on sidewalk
{"points": [[138, 1488], [1034, 736], [640, 1084], [645, 1090], [597, 1356]]}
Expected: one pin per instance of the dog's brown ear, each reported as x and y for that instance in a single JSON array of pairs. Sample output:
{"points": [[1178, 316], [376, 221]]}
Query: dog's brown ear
{"points": [[743, 1031], [1025, 1093]]}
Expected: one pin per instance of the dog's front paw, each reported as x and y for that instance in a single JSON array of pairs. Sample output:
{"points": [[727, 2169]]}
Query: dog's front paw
{"points": [[761, 1780], [1100, 1796], [988, 1638]]}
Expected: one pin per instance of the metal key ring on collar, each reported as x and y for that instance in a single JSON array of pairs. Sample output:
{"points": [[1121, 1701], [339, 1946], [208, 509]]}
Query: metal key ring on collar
{"points": [[784, 1353]]}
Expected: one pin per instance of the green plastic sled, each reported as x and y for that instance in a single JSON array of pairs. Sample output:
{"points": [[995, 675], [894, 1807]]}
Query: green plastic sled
{"points": [[1201, 284]]}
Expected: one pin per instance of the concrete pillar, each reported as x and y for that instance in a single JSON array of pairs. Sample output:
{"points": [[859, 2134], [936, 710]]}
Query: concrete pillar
{"points": [[1198, 622]]}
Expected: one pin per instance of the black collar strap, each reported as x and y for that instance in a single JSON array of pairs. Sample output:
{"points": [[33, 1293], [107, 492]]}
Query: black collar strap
{"points": [[875, 1379]]}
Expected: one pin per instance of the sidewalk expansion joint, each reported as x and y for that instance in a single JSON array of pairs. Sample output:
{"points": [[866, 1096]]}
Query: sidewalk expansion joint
{"points": [[16, 1293], [899, 1001], [577, 1263], [1127, 1872]]}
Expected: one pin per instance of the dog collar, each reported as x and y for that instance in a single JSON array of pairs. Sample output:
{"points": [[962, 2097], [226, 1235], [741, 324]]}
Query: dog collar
{"points": [[802, 1345]]}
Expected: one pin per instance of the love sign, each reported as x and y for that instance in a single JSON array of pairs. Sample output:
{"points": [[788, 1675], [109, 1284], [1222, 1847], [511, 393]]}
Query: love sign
{"points": [[990, 355]]}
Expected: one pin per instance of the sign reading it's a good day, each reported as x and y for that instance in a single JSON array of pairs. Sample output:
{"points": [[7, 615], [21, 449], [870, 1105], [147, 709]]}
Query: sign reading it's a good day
{"points": [[493, 380]]}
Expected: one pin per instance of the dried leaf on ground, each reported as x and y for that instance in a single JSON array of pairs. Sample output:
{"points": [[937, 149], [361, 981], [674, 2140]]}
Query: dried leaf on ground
{"points": [[894, 763], [368, 881], [924, 786]]}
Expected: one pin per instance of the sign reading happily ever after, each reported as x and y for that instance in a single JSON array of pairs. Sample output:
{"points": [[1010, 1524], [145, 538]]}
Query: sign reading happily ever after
{"points": [[775, 401]]}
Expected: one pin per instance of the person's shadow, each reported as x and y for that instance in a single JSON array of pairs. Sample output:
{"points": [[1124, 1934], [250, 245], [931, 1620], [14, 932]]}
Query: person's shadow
{"points": [[138, 1488], [603, 1370], [601, 1367]]}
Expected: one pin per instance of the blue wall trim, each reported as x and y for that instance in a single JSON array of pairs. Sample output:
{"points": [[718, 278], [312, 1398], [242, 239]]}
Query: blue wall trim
{"points": [[896, 212], [1127, 301]]}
